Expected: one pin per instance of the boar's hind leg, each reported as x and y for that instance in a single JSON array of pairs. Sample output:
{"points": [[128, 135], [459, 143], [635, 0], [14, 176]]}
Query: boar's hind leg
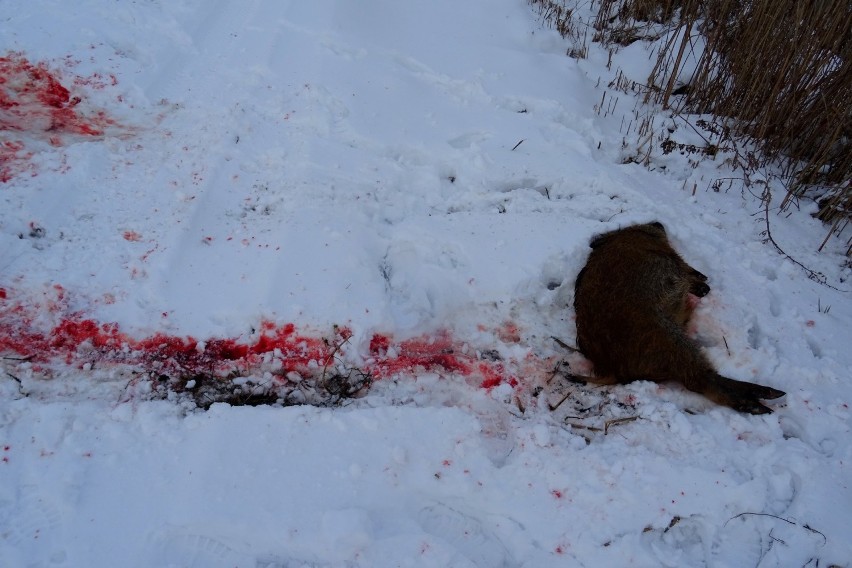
{"points": [[739, 395]]}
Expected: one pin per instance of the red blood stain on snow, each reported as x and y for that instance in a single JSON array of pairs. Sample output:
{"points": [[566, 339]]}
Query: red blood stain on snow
{"points": [[78, 341], [509, 333], [434, 352], [96, 81], [495, 374], [14, 159], [438, 352], [132, 236], [379, 345], [34, 103], [33, 100]]}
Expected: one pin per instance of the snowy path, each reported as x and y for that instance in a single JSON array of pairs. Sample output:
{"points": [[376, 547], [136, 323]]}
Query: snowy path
{"points": [[428, 172]]}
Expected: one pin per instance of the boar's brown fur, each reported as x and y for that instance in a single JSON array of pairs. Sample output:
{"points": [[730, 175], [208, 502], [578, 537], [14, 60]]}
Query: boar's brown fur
{"points": [[632, 303]]}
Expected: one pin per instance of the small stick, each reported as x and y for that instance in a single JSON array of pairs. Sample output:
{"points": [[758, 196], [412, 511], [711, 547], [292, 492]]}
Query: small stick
{"points": [[20, 384], [788, 521], [558, 404], [618, 421], [564, 345], [583, 426], [554, 373], [518, 144], [330, 359], [27, 358], [14, 378]]}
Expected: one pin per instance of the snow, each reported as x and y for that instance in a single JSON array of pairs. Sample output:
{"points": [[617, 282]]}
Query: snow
{"points": [[427, 177]]}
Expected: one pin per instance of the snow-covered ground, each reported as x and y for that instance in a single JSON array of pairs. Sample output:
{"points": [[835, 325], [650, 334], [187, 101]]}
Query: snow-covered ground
{"points": [[283, 193]]}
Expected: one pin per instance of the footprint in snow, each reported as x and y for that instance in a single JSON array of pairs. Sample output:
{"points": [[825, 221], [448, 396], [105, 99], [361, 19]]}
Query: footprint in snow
{"points": [[30, 528], [465, 534], [186, 550], [682, 543], [282, 562]]}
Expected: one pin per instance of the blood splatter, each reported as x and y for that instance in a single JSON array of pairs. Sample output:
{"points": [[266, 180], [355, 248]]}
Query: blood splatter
{"points": [[509, 332], [96, 81], [495, 374], [433, 352], [14, 159], [438, 352], [379, 345], [33, 100], [35, 104], [82, 342], [78, 341]]}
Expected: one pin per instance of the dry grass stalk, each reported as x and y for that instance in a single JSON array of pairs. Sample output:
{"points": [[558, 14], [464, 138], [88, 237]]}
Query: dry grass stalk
{"points": [[782, 69]]}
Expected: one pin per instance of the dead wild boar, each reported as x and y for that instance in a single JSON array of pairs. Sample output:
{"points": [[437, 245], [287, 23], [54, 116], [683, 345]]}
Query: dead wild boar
{"points": [[632, 301]]}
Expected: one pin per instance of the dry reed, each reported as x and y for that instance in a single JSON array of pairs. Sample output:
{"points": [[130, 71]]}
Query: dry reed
{"points": [[777, 73]]}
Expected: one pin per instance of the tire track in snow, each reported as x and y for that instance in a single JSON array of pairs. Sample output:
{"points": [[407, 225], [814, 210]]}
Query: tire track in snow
{"points": [[208, 159], [216, 37], [236, 186]]}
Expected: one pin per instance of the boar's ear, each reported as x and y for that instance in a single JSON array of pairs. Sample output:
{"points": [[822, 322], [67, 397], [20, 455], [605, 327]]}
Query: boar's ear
{"points": [[598, 240], [603, 238], [659, 226]]}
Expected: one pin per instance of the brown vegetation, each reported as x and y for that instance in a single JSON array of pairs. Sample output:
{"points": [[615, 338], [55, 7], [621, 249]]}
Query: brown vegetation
{"points": [[783, 70], [777, 73]]}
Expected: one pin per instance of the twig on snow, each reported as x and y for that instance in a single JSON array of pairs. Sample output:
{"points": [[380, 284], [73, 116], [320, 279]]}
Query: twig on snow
{"points": [[22, 359], [817, 277], [617, 422], [558, 404], [564, 345], [788, 521], [20, 384]]}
